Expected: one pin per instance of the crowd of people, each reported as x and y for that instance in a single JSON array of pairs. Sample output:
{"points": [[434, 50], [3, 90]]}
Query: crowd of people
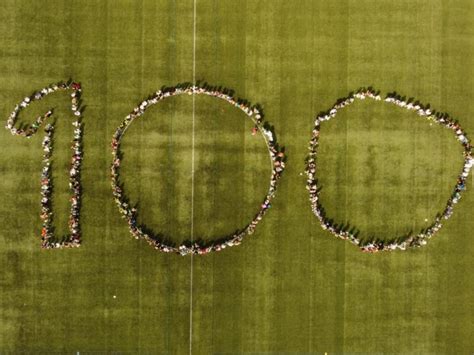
{"points": [[195, 247], [48, 240], [403, 242], [277, 157]]}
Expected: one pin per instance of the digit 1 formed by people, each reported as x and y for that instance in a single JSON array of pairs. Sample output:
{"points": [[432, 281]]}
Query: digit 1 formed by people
{"points": [[48, 240]]}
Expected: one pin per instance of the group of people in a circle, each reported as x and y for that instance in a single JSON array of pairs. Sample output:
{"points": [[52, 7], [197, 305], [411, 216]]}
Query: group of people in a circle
{"points": [[128, 212], [48, 240], [401, 243]]}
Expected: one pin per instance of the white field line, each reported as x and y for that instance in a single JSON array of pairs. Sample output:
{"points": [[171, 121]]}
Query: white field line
{"points": [[192, 187]]}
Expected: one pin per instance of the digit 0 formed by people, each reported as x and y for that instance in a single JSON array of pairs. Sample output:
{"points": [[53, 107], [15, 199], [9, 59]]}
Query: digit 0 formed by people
{"points": [[129, 213], [48, 239], [402, 242]]}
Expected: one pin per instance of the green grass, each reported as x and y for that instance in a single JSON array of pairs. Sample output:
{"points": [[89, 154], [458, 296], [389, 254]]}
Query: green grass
{"points": [[290, 287]]}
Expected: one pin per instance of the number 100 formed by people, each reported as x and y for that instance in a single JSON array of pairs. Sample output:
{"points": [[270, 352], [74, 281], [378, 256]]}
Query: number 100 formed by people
{"points": [[277, 160]]}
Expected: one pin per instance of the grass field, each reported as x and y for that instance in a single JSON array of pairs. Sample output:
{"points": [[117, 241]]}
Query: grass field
{"points": [[290, 287]]}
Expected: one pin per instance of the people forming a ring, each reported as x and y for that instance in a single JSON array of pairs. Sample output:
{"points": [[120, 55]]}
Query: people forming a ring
{"points": [[403, 242], [129, 213]]}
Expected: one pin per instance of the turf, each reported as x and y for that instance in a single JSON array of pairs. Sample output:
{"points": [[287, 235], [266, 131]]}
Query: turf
{"points": [[291, 287]]}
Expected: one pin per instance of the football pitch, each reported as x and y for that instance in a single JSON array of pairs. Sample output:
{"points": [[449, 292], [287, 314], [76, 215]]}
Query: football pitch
{"points": [[194, 170]]}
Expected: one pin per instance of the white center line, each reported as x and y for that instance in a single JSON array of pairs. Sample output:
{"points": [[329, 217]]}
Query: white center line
{"points": [[192, 188]]}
